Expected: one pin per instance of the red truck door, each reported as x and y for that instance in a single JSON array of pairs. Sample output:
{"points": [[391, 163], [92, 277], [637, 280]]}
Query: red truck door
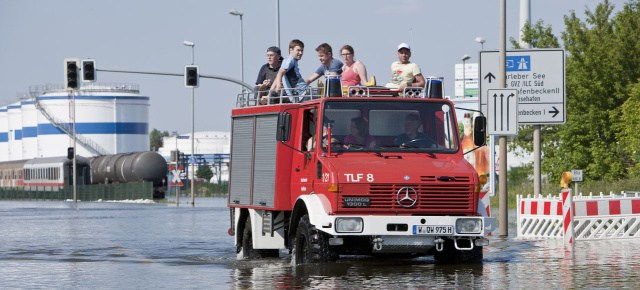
{"points": [[303, 162]]}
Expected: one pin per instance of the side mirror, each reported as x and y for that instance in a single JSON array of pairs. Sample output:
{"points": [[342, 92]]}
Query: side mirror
{"points": [[480, 131], [284, 127]]}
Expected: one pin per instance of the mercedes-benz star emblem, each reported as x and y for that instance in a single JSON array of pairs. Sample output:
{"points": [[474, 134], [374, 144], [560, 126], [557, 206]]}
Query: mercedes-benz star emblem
{"points": [[407, 196], [406, 177]]}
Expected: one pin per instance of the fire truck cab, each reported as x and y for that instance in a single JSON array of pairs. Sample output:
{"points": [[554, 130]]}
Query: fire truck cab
{"points": [[387, 176]]}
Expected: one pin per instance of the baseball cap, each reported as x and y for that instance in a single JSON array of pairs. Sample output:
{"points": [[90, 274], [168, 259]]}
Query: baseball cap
{"points": [[274, 49], [404, 45]]}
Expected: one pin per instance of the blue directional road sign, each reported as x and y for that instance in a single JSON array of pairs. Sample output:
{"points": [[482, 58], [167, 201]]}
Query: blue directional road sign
{"points": [[539, 77], [192, 160]]}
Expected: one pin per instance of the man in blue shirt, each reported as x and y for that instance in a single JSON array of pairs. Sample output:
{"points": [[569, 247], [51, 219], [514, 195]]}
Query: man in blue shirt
{"points": [[289, 76], [329, 65]]}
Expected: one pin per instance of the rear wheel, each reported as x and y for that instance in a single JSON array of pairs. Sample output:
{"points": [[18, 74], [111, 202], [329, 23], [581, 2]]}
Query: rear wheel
{"points": [[311, 245], [246, 247]]}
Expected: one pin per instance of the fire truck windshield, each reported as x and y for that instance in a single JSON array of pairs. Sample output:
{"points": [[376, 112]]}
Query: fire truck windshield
{"points": [[391, 126]]}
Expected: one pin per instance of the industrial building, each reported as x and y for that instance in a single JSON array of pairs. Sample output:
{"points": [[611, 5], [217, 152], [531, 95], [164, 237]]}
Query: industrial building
{"points": [[110, 118], [211, 148]]}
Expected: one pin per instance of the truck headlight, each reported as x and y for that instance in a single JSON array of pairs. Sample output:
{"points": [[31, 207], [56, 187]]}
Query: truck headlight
{"points": [[468, 226], [349, 225]]}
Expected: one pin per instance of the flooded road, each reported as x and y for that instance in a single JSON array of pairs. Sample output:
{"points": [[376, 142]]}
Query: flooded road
{"points": [[142, 246]]}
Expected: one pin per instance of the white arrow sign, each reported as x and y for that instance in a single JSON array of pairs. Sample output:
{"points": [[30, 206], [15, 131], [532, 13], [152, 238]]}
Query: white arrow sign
{"points": [[538, 75], [502, 116]]}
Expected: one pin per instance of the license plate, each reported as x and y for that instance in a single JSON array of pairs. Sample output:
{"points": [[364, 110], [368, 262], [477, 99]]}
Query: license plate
{"points": [[356, 202], [432, 230]]}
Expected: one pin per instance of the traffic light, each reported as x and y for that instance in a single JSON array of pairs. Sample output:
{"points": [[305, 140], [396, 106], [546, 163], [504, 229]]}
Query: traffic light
{"points": [[191, 76], [71, 73], [88, 70], [70, 153]]}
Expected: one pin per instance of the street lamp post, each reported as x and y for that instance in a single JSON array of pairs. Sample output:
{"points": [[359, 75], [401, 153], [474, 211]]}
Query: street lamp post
{"points": [[481, 40], [193, 135], [278, 23], [464, 75], [239, 13]]}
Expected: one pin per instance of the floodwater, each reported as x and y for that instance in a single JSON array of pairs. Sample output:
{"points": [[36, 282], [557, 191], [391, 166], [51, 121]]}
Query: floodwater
{"points": [[51, 245]]}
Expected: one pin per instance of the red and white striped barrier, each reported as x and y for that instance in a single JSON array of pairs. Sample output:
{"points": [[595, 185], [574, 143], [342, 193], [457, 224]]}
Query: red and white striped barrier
{"points": [[623, 206], [579, 217], [484, 206], [567, 217]]}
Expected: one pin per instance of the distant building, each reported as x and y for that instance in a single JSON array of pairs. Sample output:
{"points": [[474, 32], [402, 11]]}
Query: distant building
{"points": [[211, 149]]}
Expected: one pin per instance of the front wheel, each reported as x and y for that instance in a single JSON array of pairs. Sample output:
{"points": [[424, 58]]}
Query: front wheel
{"points": [[311, 245]]}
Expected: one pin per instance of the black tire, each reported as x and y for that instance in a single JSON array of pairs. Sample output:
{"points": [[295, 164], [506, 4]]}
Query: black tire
{"points": [[311, 245], [246, 247], [449, 255]]}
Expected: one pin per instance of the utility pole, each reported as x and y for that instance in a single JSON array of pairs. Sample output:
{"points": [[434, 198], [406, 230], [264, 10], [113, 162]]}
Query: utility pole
{"points": [[504, 218], [75, 155]]}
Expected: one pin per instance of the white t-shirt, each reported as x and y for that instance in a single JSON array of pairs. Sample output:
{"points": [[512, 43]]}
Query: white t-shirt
{"points": [[402, 74]]}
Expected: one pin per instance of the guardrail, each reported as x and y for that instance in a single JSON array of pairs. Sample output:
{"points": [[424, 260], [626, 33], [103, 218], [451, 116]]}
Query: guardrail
{"points": [[591, 217], [94, 192]]}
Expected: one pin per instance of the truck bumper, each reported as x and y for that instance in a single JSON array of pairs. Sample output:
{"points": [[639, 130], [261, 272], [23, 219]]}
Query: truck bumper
{"points": [[412, 226], [414, 234]]}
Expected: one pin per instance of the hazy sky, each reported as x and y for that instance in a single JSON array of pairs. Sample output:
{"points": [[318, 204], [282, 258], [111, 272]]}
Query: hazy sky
{"points": [[35, 37]]}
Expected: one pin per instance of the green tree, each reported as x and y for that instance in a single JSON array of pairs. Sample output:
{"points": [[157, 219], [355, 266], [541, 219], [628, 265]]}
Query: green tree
{"points": [[602, 65], [204, 172], [155, 139], [603, 57], [539, 36]]}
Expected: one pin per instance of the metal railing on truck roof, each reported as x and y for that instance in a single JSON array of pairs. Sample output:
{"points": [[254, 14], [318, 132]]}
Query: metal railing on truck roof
{"points": [[333, 88]]}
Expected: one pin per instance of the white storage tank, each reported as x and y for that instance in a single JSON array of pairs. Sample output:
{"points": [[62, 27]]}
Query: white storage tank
{"points": [[4, 135], [29, 130], [110, 119], [14, 113]]}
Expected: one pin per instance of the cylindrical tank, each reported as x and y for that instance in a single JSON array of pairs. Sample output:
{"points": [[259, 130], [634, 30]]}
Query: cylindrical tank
{"points": [[14, 113], [129, 167], [29, 130], [113, 116], [4, 134]]}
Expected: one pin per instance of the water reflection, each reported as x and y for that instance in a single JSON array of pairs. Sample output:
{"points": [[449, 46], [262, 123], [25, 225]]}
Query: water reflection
{"points": [[52, 245]]}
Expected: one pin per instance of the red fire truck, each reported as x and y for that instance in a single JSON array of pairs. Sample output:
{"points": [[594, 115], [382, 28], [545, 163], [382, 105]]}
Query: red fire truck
{"points": [[388, 177]]}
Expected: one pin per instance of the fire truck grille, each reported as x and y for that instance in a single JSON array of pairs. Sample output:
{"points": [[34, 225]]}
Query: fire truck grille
{"points": [[434, 197]]}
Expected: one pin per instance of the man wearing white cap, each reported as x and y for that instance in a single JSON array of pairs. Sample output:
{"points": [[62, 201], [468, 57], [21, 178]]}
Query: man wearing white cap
{"points": [[403, 72]]}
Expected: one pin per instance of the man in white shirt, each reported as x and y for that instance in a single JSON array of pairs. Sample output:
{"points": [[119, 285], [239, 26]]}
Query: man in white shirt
{"points": [[403, 72]]}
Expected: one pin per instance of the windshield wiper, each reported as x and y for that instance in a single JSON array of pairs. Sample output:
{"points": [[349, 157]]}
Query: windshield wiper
{"points": [[431, 154]]}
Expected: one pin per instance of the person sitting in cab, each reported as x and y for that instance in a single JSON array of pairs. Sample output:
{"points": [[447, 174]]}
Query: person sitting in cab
{"points": [[311, 142], [412, 138], [359, 137]]}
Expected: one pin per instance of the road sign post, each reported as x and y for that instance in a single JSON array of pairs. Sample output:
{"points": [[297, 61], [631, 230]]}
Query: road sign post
{"points": [[576, 176]]}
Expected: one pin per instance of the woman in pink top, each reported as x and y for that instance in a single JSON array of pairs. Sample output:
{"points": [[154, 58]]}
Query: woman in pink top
{"points": [[359, 134], [353, 72]]}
